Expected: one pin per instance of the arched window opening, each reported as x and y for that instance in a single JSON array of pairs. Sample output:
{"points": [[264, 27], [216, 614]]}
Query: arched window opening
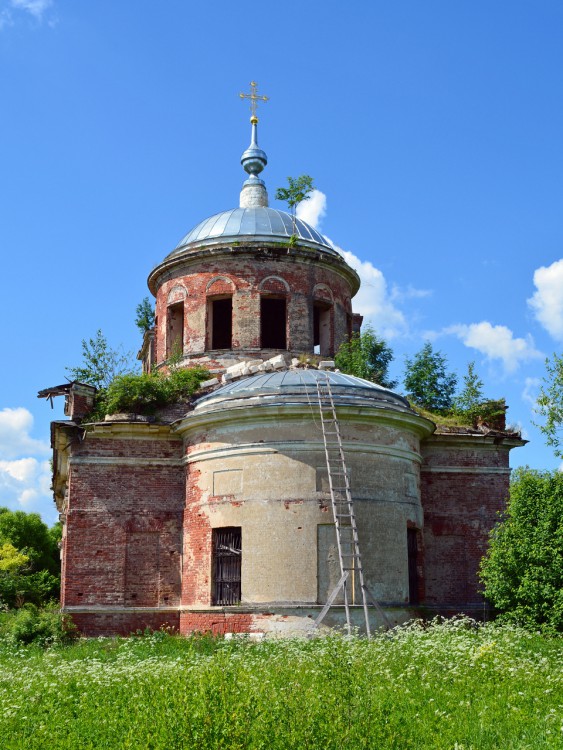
{"points": [[175, 329], [220, 322], [322, 328], [273, 323]]}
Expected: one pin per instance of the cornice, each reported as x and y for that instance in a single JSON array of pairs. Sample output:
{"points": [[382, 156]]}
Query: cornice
{"points": [[129, 431], [280, 411], [259, 250], [452, 440]]}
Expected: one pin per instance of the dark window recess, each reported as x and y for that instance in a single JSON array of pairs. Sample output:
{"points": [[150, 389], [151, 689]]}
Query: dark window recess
{"points": [[222, 323], [273, 323], [227, 553], [412, 550], [175, 333], [321, 328]]}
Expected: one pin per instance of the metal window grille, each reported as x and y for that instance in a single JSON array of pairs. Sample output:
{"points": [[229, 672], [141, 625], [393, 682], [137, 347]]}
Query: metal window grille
{"points": [[227, 554]]}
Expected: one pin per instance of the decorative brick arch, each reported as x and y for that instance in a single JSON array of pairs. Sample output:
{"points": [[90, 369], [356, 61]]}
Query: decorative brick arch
{"points": [[178, 293], [274, 285], [220, 285], [322, 293]]}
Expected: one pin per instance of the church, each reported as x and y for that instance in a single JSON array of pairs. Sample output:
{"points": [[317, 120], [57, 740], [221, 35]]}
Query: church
{"points": [[215, 515]]}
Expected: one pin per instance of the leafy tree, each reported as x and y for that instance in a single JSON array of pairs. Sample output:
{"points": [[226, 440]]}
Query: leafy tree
{"points": [[100, 363], [366, 356], [144, 319], [523, 569], [11, 559], [298, 190], [427, 381], [29, 559], [550, 404], [471, 395], [30, 535]]}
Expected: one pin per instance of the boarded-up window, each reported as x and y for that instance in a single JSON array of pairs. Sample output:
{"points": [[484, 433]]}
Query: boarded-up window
{"points": [[273, 323], [412, 551], [227, 556], [175, 329], [220, 321]]}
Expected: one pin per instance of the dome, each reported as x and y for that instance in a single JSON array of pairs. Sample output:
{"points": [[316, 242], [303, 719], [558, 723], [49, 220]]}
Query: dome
{"points": [[257, 224], [301, 385]]}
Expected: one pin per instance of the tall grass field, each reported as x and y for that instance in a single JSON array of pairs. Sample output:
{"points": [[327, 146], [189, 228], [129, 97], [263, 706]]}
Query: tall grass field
{"points": [[451, 685]]}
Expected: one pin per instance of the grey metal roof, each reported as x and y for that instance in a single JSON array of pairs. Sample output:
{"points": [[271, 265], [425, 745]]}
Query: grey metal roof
{"points": [[268, 224], [302, 383]]}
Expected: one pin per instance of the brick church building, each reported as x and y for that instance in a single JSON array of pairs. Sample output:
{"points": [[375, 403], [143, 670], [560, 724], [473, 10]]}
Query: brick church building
{"points": [[215, 515]]}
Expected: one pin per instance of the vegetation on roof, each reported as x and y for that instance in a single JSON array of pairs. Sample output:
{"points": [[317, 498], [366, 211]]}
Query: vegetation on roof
{"points": [[147, 392]]}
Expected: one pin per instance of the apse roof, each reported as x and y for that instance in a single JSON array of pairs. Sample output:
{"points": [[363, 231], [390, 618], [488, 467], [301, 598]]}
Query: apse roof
{"points": [[303, 383]]}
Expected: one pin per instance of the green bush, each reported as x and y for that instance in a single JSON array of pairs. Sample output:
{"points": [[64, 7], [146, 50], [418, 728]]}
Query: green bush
{"points": [[144, 394], [35, 588], [45, 626], [523, 569]]}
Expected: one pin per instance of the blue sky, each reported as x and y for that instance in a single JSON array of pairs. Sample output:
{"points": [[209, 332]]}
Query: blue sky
{"points": [[432, 131]]}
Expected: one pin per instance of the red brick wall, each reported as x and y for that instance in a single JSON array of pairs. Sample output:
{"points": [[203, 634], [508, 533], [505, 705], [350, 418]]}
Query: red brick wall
{"points": [[217, 623], [123, 535], [249, 276], [196, 574], [463, 487], [123, 623]]}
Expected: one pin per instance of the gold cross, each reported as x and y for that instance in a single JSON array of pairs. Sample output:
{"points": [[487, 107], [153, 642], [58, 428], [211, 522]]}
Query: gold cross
{"points": [[254, 99]]}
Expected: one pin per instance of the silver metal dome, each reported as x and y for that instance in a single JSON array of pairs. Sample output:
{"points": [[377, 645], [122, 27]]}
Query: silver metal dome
{"points": [[262, 223], [301, 385]]}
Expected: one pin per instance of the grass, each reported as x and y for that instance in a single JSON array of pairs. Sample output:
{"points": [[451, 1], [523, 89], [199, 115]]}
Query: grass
{"points": [[453, 686]]}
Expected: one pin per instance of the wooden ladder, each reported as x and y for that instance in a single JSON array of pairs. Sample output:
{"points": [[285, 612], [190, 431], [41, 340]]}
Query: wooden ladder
{"points": [[342, 510]]}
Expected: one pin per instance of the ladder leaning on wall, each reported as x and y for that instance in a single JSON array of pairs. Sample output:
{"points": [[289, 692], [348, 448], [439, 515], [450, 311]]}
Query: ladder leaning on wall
{"points": [[347, 542]]}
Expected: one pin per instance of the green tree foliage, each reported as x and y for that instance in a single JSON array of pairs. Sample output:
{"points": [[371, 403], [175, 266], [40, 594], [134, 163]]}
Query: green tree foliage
{"points": [[297, 190], [428, 382], [144, 319], [11, 559], [550, 404], [367, 356], [100, 363], [29, 559], [523, 569], [471, 395]]}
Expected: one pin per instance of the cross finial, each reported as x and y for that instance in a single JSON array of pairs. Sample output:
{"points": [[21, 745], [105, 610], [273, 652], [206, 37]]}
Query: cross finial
{"points": [[254, 99]]}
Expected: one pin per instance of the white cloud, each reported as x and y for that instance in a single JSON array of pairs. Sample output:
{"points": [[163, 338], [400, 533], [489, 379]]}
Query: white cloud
{"points": [[312, 210], [400, 294], [35, 7], [15, 441], [25, 485], [5, 19], [496, 343], [374, 301], [547, 301], [530, 392], [25, 472]]}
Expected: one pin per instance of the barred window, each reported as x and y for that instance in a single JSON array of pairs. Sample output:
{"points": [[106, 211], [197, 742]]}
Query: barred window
{"points": [[227, 554]]}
